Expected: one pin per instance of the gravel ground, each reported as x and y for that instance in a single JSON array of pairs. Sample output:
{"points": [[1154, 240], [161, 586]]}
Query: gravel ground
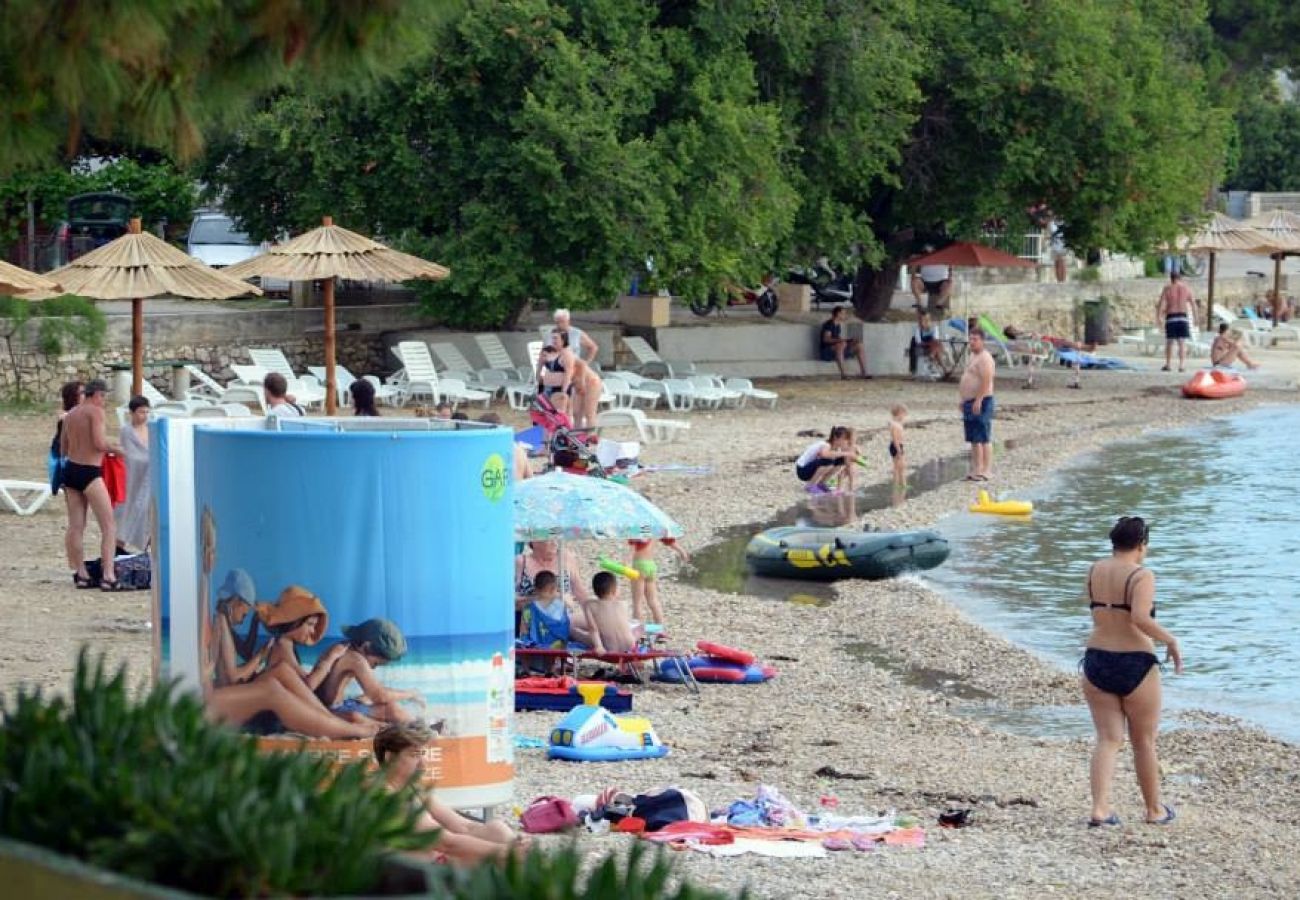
{"points": [[878, 719]]}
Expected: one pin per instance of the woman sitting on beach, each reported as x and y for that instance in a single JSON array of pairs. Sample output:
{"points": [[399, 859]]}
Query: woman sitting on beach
{"points": [[400, 751], [1121, 681]]}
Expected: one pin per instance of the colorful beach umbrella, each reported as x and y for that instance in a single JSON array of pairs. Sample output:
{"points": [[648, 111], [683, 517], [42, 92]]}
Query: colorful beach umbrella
{"points": [[562, 507], [135, 267], [330, 252]]}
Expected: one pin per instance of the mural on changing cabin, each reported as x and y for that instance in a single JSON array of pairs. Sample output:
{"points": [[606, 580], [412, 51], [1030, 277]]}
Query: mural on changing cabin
{"points": [[351, 580]]}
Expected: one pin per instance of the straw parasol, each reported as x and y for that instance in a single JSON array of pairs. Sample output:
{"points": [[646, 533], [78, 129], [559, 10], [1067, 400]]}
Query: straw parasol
{"points": [[1283, 228], [330, 252], [137, 266], [16, 281], [1222, 234]]}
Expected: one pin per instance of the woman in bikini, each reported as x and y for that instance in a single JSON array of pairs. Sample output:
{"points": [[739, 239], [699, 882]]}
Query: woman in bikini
{"points": [[1121, 678]]}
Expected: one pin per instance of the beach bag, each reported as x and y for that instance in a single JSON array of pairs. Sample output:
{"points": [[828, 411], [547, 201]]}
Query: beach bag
{"points": [[115, 478], [547, 815]]}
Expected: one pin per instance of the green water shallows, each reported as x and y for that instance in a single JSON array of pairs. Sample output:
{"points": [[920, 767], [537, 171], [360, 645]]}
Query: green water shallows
{"points": [[1224, 507]]}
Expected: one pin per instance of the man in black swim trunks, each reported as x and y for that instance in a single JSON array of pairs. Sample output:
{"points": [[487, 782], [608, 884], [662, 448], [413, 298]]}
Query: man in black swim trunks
{"points": [[83, 443]]}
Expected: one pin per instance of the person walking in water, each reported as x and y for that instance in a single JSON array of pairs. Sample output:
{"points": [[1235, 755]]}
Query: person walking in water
{"points": [[976, 392], [1176, 309], [83, 443], [1121, 678]]}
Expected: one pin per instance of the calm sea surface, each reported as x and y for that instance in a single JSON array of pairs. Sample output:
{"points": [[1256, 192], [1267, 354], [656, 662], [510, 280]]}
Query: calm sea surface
{"points": [[1223, 502]]}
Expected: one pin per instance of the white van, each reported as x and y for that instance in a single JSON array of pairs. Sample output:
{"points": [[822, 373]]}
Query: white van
{"points": [[215, 241]]}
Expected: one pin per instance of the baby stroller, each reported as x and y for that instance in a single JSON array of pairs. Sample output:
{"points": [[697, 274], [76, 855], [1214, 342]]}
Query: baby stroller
{"points": [[570, 449]]}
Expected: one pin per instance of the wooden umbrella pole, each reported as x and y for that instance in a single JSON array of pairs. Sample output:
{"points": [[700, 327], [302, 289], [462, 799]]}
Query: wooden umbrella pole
{"points": [[1277, 287], [331, 396], [1209, 298], [137, 347]]}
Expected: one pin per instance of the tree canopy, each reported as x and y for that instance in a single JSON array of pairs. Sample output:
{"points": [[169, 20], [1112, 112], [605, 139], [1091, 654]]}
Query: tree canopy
{"points": [[161, 73], [549, 148]]}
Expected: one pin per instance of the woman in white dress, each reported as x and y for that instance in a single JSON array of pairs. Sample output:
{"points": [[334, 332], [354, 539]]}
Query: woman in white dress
{"points": [[133, 514]]}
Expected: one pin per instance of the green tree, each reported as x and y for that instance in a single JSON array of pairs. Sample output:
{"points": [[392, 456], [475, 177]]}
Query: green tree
{"points": [[1101, 111], [546, 151], [1260, 35], [1267, 145], [161, 74], [60, 323]]}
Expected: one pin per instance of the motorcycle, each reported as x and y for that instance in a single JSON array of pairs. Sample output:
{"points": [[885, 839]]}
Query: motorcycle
{"points": [[827, 286], [763, 296]]}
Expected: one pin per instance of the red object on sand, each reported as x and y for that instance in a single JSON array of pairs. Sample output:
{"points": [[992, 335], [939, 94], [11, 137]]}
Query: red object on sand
{"points": [[1214, 384], [970, 254], [721, 651]]}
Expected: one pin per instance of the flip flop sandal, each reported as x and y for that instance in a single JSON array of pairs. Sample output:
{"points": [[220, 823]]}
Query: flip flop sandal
{"points": [[112, 586], [84, 584], [1111, 819], [1167, 818]]}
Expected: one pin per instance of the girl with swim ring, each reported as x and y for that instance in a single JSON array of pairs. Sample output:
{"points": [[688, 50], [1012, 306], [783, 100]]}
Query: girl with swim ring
{"points": [[827, 459], [645, 590]]}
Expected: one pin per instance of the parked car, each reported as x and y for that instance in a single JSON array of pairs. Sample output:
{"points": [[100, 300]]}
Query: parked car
{"points": [[93, 220], [216, 241]]}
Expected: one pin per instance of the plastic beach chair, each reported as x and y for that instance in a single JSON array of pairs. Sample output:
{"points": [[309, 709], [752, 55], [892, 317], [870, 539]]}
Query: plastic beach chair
{"points": [[23, 497], [650, 431], [419, 377], [747, 391]]}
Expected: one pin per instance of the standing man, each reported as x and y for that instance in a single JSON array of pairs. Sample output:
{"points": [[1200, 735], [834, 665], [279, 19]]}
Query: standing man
{"points": [[83, 443], [580, 342], [976, 390], [834, 346], [1176, 308]]}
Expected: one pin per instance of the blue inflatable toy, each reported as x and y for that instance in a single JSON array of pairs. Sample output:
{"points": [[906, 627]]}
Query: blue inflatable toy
{"points": [[590, 733]]}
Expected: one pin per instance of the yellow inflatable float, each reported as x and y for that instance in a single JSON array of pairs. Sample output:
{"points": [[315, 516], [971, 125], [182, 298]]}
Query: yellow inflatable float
{"points": [[986, 504]]}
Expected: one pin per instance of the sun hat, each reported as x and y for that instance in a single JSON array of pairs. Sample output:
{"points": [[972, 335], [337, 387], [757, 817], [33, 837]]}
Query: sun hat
{"points": [[295, 603], [384, 637], [239, 584]]}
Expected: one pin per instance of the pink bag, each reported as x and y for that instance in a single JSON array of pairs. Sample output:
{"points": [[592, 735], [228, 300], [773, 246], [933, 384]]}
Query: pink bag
{"points": [[546, 815]]}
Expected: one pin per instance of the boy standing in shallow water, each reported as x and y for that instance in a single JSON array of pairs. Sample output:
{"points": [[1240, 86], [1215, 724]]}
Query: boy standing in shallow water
{"points": [[645, 590], [897, 416]]}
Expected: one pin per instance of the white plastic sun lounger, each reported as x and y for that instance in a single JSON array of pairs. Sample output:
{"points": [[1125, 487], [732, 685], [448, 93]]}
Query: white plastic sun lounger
{"points": [[23, 497], [651, 431]]}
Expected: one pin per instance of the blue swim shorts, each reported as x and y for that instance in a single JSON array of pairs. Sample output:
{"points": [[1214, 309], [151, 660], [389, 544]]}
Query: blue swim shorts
{"points": [[979, 428]]}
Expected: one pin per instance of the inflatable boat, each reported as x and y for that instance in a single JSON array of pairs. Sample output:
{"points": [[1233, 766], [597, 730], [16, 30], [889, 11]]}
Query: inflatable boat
{"points": [[1214, 384], [828, 554]]}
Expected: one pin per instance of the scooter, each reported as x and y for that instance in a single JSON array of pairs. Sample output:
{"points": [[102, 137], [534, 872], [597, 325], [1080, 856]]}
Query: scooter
{"points": [[827, 286], [763, 296]]}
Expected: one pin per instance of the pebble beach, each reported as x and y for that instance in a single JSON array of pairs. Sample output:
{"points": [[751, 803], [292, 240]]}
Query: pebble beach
{"points": [[859, 712]]}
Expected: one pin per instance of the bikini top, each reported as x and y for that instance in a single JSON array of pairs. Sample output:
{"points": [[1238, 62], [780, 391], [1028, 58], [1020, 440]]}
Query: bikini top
{"points": [[1127, 605], [554, 365]]}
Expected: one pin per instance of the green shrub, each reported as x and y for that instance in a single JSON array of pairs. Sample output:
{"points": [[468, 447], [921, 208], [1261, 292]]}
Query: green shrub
{"points": [[1089, 274], [150, 789]]}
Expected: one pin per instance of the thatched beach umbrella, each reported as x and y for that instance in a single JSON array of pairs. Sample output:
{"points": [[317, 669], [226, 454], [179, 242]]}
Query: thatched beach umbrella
{"points": [[1282, 227], [138, 266], [16, 281], [1222, 234], [330, 252]]}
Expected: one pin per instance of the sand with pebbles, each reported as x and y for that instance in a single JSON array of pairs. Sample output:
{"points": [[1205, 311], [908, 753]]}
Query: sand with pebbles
{"points": [[891, 737]]}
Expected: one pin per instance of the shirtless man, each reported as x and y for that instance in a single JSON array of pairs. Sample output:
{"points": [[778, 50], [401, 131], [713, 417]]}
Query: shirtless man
{"points": [[83, 444], [976, 391], [1175, 309], [1227, 349]]}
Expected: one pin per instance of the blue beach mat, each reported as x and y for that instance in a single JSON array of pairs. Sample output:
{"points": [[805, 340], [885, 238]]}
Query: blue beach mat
{"points": [[1090, 360]]}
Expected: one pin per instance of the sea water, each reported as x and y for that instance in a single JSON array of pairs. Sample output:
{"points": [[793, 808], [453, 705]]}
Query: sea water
{"points": [[1223, 503]]}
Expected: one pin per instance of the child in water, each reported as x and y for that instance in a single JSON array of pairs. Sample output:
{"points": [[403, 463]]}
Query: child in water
{"points": [[897, 416], [645, 590], [827, 459]]}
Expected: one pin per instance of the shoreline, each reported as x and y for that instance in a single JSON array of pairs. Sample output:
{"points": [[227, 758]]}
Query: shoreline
{"points": [[832, 709]]}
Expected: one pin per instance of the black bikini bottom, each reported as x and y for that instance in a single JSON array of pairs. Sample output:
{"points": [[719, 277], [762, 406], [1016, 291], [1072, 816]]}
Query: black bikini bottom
{"points": [[79, 476], [1117, 673]]}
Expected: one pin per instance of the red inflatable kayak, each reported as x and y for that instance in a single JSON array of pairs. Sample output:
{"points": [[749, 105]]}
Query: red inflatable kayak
{"points": [[1214, 384], [720, 651]]}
